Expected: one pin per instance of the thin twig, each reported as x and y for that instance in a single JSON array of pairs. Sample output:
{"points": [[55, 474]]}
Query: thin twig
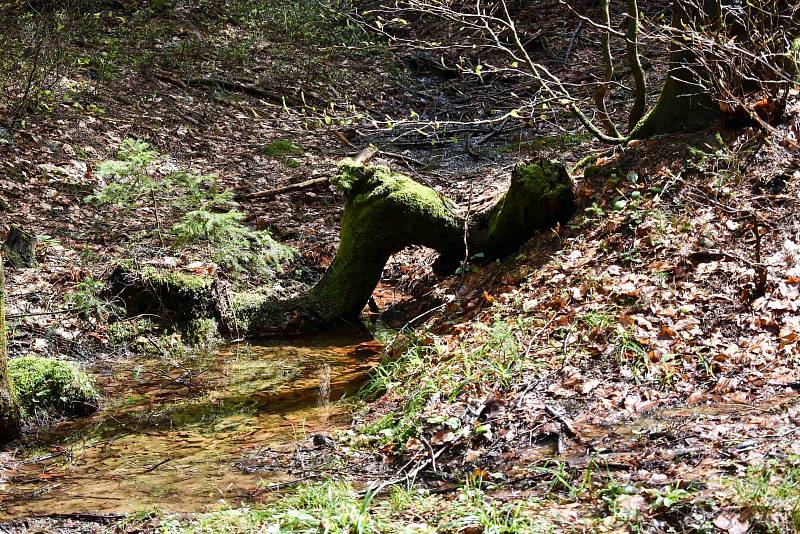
{"points": [[154, 467]]}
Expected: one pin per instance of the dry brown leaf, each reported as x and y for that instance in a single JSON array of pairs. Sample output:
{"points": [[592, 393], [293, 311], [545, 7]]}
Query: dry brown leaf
{"points": [[732, 524]]}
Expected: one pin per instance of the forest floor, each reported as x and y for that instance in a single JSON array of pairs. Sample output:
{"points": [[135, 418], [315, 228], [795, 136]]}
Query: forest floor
{"points": [[635, 370]]}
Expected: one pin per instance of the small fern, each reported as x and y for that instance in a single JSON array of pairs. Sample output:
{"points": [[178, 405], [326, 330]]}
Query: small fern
{"points": [[129, 173], [206, 213], [231, 244]]}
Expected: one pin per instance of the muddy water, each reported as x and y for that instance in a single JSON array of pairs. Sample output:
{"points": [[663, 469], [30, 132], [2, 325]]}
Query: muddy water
{"points": [[172, 429]]}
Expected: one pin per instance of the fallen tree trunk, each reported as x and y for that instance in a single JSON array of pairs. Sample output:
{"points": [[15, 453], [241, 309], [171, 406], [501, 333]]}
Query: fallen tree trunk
{"points": [[384, 213]]}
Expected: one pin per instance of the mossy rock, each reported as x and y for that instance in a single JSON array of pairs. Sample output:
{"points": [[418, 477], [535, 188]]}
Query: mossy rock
{"points": [[200, 331], [185, 284], [50, 388]]}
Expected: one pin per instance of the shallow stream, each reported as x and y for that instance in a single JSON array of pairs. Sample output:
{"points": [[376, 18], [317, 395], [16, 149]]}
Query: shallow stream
{"points": [[171, 431]]}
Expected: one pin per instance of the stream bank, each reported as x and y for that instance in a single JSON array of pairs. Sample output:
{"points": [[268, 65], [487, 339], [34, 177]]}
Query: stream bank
{"points": [[176, 437]]}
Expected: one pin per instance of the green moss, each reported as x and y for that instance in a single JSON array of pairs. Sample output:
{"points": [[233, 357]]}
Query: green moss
{"points": [[200, 331], [350, 173], [246, 307], [186, 284], [47, 387], [545, 179], [379, 184], [419, 199], [282, 148], [125, 332], [292, 163], [540, 193]]}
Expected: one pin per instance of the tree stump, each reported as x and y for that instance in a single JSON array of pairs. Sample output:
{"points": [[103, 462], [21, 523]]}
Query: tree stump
{"points": [[20, 247]]}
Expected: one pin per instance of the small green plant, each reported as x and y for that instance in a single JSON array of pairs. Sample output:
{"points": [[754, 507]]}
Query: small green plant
{"points": [[325, 507], [124, 332], [137, 517], [231, 244], [630, 352], [595, 210], [668, 496], [771, 493], [613, 494], [475, 511], [598, 320], [723, 163], [565, 480], [87, 299], [206, 215], [426, 369], [661, 278], [130, 179], [46, 388]]}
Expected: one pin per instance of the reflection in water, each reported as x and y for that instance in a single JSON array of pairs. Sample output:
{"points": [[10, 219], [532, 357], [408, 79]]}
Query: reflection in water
{"points": [[172, 443]]}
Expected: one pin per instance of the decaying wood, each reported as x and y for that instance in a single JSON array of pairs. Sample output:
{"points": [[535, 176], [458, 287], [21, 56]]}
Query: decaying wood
{"points": [[269, 193]]}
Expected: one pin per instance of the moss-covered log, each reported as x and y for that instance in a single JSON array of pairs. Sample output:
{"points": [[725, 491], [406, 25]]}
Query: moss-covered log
{"points": [[384, 213], [9, 411]]}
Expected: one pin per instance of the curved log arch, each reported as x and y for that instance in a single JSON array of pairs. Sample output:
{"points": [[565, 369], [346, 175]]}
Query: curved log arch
{"points": [[384, 213]]}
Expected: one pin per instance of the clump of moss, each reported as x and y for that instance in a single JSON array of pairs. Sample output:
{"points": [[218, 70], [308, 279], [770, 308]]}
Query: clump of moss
{"points": [[379, 183], [282, 148], [543, 178], [122, 333], [49, 388], [186, 284], [351, 172], [202, 331]]}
